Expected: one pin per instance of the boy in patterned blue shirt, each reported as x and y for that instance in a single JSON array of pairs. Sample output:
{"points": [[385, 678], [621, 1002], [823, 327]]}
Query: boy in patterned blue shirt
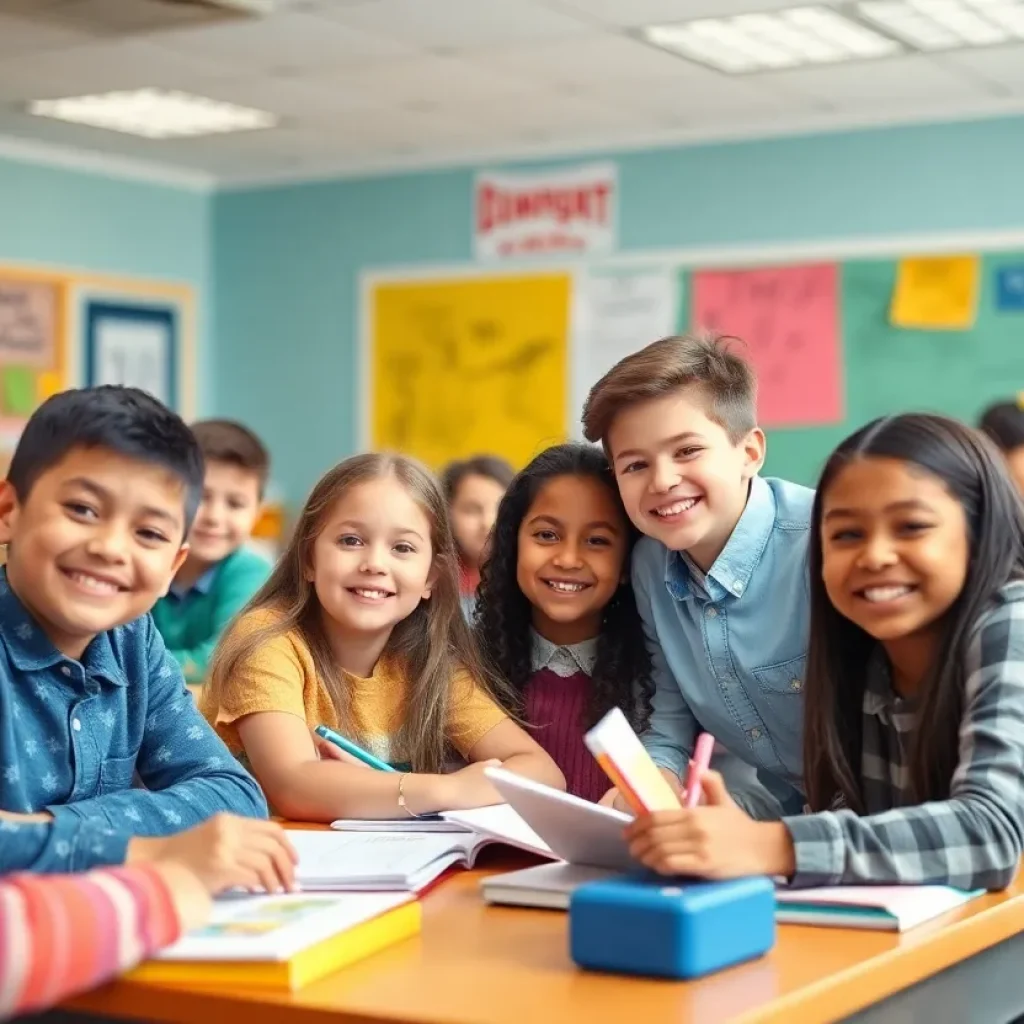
{"points": [[95, 509]]}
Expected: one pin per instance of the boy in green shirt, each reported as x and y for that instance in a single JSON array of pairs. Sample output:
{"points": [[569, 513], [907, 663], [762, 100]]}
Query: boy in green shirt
{"points": [[220, 574]]}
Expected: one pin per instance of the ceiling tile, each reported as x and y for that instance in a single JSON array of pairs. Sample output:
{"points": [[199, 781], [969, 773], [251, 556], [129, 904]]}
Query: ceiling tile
{"points": [[120, 16], [460, 24], [650, 12], [21, 35], [285, 40], [1003, 67]]}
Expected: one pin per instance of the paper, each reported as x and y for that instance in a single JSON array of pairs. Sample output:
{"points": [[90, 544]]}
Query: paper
{"points": [[616, 314], [28, 323], [19, 390], [472, 365], [1010, 289], [135, 352], [788, 318], [936, 293]]}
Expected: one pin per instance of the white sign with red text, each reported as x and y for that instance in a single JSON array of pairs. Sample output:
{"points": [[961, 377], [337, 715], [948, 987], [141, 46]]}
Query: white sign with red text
{"points": [[571, 211]]}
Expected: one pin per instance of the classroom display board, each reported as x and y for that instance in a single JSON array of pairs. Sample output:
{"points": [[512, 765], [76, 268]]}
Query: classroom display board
{"points": [[835, 342]]}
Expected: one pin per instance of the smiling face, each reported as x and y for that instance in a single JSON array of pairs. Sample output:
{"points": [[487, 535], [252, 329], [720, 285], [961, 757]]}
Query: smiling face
{"points": [[572, 550], [94, 545], [372, 563], [227, 513], [895, 549], [682, 480]]}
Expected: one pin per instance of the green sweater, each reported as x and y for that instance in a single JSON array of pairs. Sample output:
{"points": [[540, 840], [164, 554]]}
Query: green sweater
{"points": [[191, 622]]}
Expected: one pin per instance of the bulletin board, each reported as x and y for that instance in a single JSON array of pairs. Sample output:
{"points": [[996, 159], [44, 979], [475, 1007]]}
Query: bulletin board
{"points": [[839, 334]]}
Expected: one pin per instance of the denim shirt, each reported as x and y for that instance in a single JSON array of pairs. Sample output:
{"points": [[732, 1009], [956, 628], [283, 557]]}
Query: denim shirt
{"points": [[73, 734], [730, 650]]}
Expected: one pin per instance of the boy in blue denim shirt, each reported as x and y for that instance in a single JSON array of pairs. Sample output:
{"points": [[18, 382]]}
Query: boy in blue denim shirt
{"points": [[721, 575], [98, 500]]}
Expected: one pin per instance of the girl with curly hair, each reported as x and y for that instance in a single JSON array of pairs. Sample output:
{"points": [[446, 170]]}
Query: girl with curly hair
{"points": [[555, 614]]}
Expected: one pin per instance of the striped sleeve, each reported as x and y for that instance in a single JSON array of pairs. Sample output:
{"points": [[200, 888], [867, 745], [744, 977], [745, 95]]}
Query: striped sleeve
{"points": [[64, 934]]}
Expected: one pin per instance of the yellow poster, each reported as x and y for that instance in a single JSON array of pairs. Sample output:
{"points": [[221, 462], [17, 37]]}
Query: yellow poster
{"points": [[936, 293], [469, 366]]}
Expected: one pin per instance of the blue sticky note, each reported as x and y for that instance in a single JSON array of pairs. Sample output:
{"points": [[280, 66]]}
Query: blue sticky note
{"points": [[1010, 289]]}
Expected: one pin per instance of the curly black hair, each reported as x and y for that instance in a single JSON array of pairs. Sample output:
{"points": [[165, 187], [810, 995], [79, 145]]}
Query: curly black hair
{"points": [[622, 672]]}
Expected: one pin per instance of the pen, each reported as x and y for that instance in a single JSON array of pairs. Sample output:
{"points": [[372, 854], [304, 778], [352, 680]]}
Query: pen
{"points": [[699, 764], [350, 748]]}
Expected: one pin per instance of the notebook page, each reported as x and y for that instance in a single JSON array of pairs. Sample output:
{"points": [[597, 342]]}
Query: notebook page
{"points": [[500, 822]]}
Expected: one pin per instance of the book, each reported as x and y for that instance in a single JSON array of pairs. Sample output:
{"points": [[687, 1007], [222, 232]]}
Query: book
{"points": [[548, 886], [893, 908], [428, 823], [627, 764], [284, 942]]}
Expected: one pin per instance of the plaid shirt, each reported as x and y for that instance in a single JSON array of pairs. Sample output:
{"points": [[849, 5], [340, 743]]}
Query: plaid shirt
{"points": [[974, 839]]}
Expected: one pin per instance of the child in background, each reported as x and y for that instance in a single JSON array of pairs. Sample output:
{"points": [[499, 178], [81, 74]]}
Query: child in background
{"points": [[220, 574], [64, 934], [914, 730], [472, 490], [1004, 424], [359, 628], [721, 575], [556, 616], [95, 509]]}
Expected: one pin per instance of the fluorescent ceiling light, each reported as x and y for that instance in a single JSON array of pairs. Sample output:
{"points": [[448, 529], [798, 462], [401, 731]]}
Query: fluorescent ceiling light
{"points": [[947, 24], [154, 113], [797, 37]]}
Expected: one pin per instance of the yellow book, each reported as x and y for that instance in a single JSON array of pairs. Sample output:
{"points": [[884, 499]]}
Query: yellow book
{"points": [[284, 942]]}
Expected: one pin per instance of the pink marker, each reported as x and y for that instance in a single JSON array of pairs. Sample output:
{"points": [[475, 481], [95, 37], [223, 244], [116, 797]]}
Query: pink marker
{"points": [[698, 766]]}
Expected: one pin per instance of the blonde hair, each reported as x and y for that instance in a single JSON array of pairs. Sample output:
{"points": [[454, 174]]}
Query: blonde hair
{"points": [[431, 644], [702, 361]]}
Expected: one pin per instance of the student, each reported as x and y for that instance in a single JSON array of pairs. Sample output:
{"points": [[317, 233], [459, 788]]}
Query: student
{"points": [[1004, 424], [65, 934], [359, 628], [97, 502], [220, 573], [914, 732], [556, 616], [473, 489], [721, 575]]}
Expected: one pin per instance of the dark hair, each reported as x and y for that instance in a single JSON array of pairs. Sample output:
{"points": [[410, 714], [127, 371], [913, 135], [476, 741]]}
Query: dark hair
{"points": [[232, 442], [622, 673], [837, 660], [703, 361], [123, 420], [489, 466], [1004, 424]]}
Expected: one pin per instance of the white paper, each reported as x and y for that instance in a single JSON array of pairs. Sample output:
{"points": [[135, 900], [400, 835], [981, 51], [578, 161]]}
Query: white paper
{"points": [[617, 313], [133, 353]]}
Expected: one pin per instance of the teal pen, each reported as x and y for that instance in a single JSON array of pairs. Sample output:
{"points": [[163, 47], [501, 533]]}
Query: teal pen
{"points": [[350, 748]]}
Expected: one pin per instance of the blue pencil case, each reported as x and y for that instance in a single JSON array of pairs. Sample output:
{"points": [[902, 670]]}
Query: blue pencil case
{"points": [[656, 927]]}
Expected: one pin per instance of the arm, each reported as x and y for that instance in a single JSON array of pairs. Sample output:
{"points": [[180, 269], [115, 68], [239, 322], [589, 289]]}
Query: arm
{"points": [[518, 753], [974, 839], [233, 593], [188, 772], [65, 934]]}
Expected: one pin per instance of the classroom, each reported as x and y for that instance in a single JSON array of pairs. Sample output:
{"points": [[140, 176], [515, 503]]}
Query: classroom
{"points": [[540, 477]]}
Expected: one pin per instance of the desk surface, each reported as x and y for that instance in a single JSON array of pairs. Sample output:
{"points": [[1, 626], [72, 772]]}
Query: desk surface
{"points": [[475, 964]]}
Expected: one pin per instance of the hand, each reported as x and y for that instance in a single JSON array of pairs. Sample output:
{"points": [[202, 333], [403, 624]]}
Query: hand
{"points": [[26, 819], [468, 787], [225, 852], [328, 751], [715, 841], [614, 799]]}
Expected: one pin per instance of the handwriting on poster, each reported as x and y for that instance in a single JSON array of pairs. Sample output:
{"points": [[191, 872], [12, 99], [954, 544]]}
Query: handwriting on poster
{"points": [[28, 323], [788, 319]]}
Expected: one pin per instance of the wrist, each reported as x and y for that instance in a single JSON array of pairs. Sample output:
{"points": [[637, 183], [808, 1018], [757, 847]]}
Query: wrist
{"points": [[189, 895], [775, 849], [142, 850], [425, 794]]}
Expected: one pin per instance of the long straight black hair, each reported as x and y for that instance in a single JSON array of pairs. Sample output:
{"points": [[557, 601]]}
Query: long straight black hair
{"points": [[837, 661]]}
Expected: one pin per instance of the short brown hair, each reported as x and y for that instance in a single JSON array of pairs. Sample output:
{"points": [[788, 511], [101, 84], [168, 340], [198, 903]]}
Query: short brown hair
{"points": [[230, 442], [489, 466], [702, 361]]}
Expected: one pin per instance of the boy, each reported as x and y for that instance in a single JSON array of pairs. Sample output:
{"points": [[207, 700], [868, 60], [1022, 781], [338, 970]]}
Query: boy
{"points": [[98, 499], [721, 575], [220, 574]]}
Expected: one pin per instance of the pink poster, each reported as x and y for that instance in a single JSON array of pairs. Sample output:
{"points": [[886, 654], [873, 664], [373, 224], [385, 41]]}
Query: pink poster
{"points": [[789, 319]]}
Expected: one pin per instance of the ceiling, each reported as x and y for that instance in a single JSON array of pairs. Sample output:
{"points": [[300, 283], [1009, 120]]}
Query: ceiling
{"points": [[366, 85]]}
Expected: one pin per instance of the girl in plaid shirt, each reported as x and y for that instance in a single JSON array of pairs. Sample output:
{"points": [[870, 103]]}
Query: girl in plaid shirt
{"points": [[914, 713]]}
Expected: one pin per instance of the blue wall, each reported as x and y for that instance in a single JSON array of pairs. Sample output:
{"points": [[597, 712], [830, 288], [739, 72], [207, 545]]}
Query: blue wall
{"points": [[286, 259], [88, 222]]}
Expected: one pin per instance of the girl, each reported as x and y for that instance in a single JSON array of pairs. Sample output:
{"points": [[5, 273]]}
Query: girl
{"points": [[472, 490], [555, 614], [1004, 424], [914, 720], [359, 628]]}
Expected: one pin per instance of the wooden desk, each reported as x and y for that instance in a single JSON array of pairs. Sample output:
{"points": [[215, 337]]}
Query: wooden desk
{"points": [[475, 964]]}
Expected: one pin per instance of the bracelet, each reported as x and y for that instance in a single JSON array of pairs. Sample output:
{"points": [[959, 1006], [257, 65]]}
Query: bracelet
{"points": [[401, 797]]}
